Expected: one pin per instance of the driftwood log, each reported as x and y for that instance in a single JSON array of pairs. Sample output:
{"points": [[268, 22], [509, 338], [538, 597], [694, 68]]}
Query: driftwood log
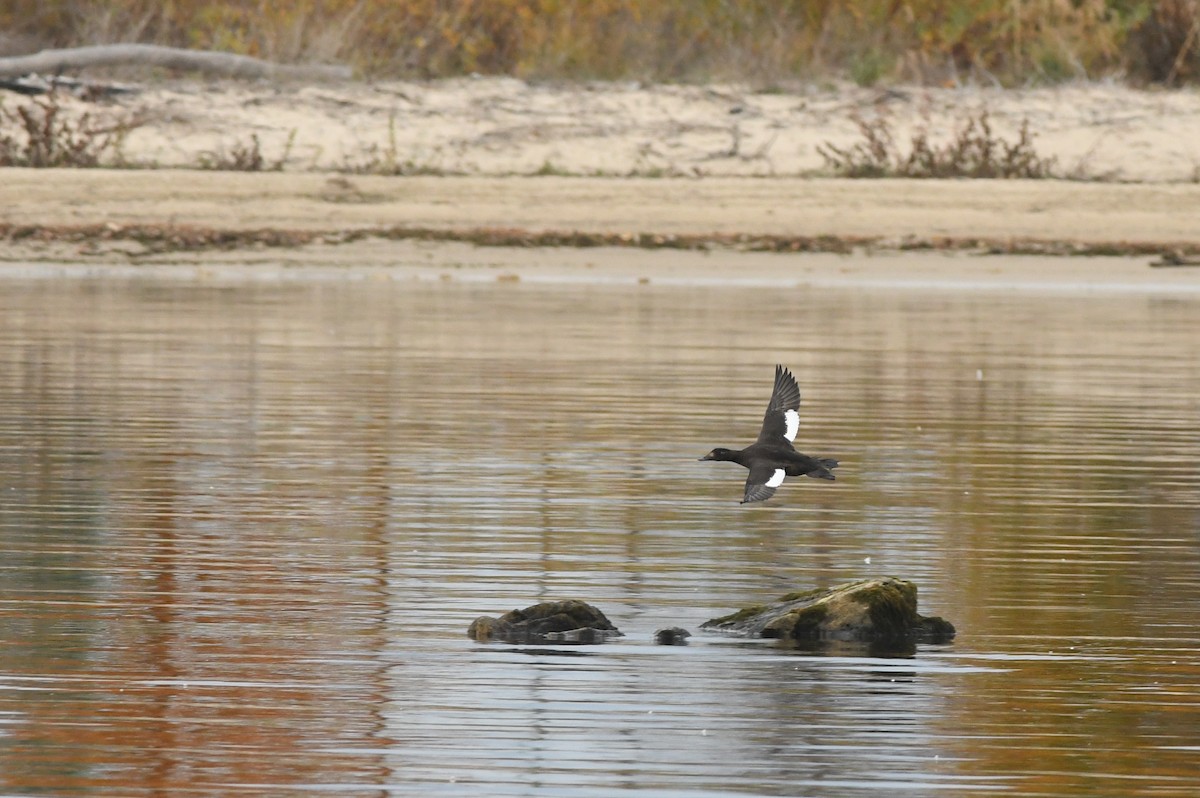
{"points": [[207, 61]]}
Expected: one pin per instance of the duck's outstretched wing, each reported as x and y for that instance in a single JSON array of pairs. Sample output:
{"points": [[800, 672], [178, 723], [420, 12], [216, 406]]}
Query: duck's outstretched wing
{"points": [[782, 419], [762, 482]]}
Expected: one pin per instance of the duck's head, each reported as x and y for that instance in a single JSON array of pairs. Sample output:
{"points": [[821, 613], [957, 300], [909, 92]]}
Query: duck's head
{"points": [[719, 454]]}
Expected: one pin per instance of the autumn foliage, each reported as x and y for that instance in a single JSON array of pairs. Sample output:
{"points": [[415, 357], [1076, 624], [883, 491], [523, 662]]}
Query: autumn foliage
{"points": [[939, 41]]}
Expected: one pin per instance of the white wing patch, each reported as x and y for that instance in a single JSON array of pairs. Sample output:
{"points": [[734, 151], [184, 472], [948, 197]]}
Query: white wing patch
{"points": [[777, 478], [792, 419]]}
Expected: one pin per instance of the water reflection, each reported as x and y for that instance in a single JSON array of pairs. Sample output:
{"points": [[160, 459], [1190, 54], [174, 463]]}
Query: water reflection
{"points": [[246, 524]]}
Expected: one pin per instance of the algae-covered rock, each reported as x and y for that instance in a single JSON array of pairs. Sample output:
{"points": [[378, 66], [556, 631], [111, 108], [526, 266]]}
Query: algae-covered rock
{"points": [[570, 621], [881, 611]]}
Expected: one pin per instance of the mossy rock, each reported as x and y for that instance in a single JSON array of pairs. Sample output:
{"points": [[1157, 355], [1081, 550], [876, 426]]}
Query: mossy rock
{"points": [[879, 611], [569, 621]]}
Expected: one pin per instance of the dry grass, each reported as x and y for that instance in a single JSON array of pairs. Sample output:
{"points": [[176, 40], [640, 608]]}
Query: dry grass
{"points": [[935, 41], [245, 157], [974, 150]]}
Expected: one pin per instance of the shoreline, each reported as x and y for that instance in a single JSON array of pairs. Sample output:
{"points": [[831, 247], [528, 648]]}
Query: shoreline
{"points": [[448, 262], [606, 169], [140, 215]]}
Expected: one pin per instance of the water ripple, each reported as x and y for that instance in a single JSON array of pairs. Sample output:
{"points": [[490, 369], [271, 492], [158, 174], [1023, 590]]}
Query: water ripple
{"points": [[245, 525]]}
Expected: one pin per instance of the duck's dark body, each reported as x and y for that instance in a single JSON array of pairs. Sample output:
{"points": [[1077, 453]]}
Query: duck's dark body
{"points": [[772, 456]]}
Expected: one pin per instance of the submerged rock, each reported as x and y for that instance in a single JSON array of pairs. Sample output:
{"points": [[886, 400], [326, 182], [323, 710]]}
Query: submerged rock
{"points": [[672, 636], [570, 621], [877, 611]]}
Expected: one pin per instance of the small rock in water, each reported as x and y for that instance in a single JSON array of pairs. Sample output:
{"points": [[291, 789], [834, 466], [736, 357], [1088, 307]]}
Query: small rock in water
{"points": [[570, 621], [673, 636]]}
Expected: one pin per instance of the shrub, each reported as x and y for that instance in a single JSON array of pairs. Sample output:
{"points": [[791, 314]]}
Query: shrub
{"points": [[973, 151], [1165, 45], [245, 157], [38, 133]]}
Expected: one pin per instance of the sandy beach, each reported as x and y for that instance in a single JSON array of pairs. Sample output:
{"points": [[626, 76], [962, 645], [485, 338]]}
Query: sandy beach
{"points": [[504, 126], [501, 161]]}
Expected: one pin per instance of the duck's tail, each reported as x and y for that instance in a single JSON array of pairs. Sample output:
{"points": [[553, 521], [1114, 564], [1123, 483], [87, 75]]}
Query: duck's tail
{"points": [[825, 471]]}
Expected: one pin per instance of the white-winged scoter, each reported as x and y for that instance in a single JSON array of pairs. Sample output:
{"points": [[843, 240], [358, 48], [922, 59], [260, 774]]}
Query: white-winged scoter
{"points": [[772, 456]]}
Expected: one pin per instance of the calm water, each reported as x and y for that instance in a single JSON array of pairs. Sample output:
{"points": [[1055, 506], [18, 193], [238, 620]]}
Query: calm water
{"points": [[245, 525]]}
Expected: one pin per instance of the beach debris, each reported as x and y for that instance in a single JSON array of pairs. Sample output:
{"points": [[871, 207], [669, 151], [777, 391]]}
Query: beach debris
{"points": [[177, 58], [1175, 258], [32, 85]]}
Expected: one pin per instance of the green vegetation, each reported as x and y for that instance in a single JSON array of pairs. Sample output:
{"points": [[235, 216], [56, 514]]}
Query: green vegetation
{"points": [[868, 41]]}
